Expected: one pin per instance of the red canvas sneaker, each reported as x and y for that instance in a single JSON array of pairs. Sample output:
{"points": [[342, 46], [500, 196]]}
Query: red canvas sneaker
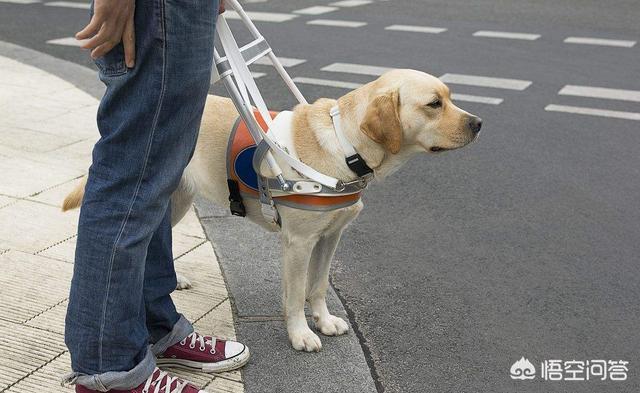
{"points": [[158, 382], [205, 353]]}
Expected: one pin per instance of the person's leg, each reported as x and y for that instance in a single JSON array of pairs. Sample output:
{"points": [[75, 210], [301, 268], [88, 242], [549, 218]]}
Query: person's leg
{"points": [[148, 121], [165, 325]]}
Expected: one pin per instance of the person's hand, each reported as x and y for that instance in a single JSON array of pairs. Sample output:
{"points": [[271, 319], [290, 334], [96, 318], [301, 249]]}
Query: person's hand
{"points": [[112, 22], [221, 9]]}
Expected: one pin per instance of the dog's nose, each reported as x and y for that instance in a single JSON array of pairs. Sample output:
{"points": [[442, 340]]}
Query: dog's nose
{"points": [[475, 124]]}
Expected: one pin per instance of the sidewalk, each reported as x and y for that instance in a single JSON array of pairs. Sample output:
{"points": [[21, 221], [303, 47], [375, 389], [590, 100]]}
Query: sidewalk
{"points": [[47, 129]]}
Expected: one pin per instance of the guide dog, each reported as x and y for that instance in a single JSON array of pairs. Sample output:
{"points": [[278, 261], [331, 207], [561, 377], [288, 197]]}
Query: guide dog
{"points": [[399, 115]]}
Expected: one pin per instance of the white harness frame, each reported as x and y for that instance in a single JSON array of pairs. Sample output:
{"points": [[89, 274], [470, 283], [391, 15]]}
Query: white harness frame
{"points": [[233, 70]]}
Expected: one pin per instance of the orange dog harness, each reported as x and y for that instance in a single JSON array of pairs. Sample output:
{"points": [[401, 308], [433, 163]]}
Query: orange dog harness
{"points": [[243, 166]]}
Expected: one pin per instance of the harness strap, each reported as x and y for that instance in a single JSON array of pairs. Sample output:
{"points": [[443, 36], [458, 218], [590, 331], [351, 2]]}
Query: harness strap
{"points": [[235, 199], [354, 161]]}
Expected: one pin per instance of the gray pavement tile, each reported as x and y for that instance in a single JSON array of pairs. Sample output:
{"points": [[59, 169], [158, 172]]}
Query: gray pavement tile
{"points": [[251, 259], [276, 367]]}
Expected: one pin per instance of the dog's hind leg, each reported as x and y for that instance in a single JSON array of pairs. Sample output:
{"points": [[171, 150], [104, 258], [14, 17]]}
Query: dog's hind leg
{"points": [[297, 253], [318, 282], [181, 200]]}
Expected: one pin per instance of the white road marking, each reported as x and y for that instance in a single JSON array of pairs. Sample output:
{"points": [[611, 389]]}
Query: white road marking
{"points": [[593, 112], [351, 3], [600, 92], [326, 82], [286, 61], [257, 75], [262, 16], [67, 41], [507, 35], [485, 81], [68, 4], [360, 69], [352, 85], [599, 41], [417, 29], [316, 10], [480, 99], [336, 23], [20, 1]]}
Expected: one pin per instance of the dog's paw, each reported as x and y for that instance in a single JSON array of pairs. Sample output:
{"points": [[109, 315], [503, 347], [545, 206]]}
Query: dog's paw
{"points": [[183, 282], [331, 326], [305, 340]]}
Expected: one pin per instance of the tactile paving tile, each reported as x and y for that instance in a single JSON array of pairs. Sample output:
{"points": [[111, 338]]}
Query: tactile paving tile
{"points": [[200, 266], [35, 226], [21, 356], [63, 251], [51, 320], [184, 243], [31, 284], [218, 322], [190, 225], [222, 385]]}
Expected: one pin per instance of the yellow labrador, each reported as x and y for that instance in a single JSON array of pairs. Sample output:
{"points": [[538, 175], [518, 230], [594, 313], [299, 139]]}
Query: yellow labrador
{"points": [[402, 113]]}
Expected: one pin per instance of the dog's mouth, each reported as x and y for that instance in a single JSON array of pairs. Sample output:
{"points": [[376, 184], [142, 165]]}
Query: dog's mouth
{"points": [[437, 149]]}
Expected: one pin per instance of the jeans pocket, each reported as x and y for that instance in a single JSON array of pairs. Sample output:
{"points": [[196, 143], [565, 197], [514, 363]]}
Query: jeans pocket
{"points": [[112, 63]]}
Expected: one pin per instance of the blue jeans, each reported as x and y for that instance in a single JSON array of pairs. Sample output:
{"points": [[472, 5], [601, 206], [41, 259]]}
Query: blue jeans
{"points": [[148, 119]]}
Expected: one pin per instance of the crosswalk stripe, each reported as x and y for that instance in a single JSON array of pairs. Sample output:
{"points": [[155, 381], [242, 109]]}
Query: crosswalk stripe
{"points": [[67, 41], [351, 3], [361, 69], [485, 81], [417, 29], [262, 16], [336, 23], [315, 10], [286, 61], [599, 41], [20, 1], [600, 92], [593, 112], [352, 85], [326, 82], [507, 35], [68, 4], [479, 99]]}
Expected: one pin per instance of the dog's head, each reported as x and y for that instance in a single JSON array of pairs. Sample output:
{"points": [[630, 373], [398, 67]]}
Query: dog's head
{"points": [[412, 108]]}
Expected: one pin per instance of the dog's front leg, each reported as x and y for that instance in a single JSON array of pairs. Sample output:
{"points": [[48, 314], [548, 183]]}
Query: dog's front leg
{"points": [[317, 284], [297, 252]]}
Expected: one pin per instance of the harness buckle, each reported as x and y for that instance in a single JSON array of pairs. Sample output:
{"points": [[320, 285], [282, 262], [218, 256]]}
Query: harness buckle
{"points": [[361, 182]]}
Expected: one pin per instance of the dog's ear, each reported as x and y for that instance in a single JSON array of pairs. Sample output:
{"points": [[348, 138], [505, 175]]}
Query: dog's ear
{"points": [[381, 122]]}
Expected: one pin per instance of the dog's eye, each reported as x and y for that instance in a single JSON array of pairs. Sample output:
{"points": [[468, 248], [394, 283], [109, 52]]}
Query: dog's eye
{"points": [[435, 104]]}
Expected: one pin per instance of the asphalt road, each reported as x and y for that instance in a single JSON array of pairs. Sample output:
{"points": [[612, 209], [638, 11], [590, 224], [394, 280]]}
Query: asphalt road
{"points": [[526, 243]]}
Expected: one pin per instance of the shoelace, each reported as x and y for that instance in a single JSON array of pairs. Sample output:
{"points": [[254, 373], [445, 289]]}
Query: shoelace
{"points": [[197, 338], [169, 380]]}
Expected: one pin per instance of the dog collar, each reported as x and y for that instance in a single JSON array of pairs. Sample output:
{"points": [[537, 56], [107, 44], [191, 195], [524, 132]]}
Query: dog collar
{"points": [[354, 161]]}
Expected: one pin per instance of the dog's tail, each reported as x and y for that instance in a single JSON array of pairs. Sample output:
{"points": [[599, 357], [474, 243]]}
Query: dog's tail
{"points": [[74, 199]]}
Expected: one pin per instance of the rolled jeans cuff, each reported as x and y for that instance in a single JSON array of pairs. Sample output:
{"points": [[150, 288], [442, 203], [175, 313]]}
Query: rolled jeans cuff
{"points": [[180, 330], [115, 380]]}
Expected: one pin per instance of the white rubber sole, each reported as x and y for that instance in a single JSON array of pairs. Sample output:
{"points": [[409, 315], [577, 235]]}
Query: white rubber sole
{"points": [[218, 367]]}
